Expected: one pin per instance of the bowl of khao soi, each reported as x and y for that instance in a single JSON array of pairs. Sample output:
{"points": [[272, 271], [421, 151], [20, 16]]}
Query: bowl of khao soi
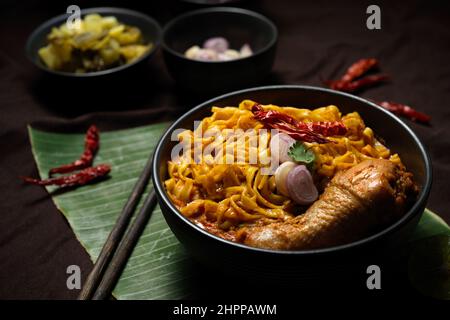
{"points": [[289, 172]]}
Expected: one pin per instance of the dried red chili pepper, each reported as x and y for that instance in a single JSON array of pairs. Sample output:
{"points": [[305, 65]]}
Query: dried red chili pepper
{"points": [[326, 128], [91, 145], [359, 68], [76, 179], [270, 116], [298, 134], [342, 85], [303, 131], [405, 111], [349, 84]]}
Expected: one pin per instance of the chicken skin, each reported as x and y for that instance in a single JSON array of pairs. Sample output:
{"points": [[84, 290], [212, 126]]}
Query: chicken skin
{"points": [[367, 196]]}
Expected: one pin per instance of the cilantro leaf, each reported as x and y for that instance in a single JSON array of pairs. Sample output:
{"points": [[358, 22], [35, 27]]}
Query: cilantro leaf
{"points": [[300, 153]]}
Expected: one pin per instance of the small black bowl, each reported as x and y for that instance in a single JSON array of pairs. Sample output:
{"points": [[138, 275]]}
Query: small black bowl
{"points": [[288, 266], [238, 26], [151, 32]]}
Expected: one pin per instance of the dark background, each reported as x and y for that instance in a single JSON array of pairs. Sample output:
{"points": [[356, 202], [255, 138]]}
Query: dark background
{"points": [[316, 39]]}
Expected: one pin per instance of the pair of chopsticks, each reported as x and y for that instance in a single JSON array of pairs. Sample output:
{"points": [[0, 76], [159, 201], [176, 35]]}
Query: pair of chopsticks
{"points": [[118, 247]]}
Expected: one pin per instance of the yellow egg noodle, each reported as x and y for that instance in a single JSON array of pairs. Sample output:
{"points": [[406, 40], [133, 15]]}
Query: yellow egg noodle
{"points": [[225, 189]]}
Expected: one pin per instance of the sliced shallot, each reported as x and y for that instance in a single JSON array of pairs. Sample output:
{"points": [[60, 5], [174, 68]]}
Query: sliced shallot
{"points": [[281, 175], [300, 186], [279, 147], [218, 44]]}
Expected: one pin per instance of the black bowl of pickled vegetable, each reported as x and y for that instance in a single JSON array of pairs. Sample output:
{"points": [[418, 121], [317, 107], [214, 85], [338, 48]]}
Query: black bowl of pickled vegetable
{"points": [[102, 42], [214, 50], [298, 266]]}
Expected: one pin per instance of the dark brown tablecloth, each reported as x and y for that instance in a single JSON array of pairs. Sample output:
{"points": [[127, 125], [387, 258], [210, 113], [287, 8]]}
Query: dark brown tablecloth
{"points": [[316, 38]]}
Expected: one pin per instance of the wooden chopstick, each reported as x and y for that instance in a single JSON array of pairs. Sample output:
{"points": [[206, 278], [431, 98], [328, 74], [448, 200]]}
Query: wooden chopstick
{"points": [[116, 234], [125, 248]]}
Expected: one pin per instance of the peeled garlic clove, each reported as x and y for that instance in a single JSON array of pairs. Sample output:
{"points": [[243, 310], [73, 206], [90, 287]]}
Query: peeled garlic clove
{"points": [[246, 51], [206, 55], [232, 54], [224, 57], [192, 52]]}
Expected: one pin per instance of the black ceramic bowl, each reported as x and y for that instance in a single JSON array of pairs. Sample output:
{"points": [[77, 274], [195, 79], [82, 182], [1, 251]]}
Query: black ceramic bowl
{"points": [[238, 26], [289, 265], [151, 32]]}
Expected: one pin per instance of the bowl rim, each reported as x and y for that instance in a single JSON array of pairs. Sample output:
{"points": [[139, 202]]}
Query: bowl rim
{"points": [[100, 10], [254, 14], [412, 212]]}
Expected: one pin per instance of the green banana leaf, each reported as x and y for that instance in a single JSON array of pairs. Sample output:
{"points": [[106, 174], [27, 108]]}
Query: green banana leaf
{"points": [[153, 271], [159, 268]]}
